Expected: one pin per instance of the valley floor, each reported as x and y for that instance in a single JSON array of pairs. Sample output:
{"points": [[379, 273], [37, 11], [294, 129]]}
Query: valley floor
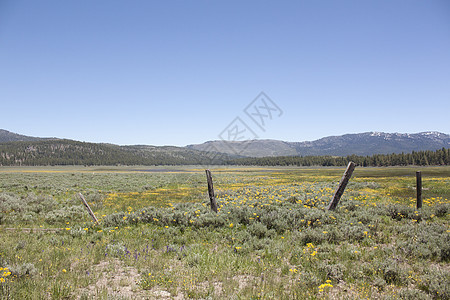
{"points": [[272, 237]]}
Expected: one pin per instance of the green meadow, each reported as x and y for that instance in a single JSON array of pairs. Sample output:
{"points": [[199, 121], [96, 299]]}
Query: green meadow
{"points": [[272, 237]]}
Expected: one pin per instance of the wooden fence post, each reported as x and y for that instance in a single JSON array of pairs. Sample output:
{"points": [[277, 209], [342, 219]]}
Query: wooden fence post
{"points": [[419, 189], [88, 208], [211, 191], [342, 185]]}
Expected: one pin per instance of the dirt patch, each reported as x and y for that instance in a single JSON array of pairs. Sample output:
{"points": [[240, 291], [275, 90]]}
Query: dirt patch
{"points": [[116, 280], [244, 280], [113, 279]]}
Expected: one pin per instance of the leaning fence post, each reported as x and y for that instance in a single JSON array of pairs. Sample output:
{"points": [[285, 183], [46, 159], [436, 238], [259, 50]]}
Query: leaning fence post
{"points": [[88, 208], [211, 191], [342, 185], [419, 189]]}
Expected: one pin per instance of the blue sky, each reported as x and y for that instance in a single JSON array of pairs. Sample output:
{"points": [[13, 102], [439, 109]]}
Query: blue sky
{"points": [[179, 72]]}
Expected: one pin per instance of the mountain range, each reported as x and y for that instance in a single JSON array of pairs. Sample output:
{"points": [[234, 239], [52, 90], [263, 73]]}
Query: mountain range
{"points": [[16, 149], [367, 143]]}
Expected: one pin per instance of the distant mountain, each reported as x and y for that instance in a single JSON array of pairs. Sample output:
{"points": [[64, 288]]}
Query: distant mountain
{"points": [[368, 143], [252, 148], [7, 136]]}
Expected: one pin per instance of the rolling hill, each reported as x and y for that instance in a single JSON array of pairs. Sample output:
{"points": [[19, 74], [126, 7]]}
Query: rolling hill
{"points": [[68, 152], [7, 136]]}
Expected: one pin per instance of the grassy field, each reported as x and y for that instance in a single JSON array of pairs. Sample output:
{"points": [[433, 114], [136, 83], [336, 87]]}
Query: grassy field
{"points": [[271, 239]]}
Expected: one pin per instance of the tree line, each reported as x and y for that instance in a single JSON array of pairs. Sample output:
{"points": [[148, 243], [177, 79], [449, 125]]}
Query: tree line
{"points": [[421, 158]]}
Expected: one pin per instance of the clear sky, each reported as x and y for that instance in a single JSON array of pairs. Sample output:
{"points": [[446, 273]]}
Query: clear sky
{"points": [[179, 72]]}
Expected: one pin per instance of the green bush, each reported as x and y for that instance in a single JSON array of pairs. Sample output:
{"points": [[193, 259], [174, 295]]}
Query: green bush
{"points": [[210, 219], [309, 279], [65, 214], [116, 250], [425, 241], [435, 282], [349, 205], [441, 210], [114, 220], [258, 230], [392, 272], [334, 272], [39, 203], [399, 212], [23, 270], [9, 203], [312, 235], [413, 294], [354, 232]]}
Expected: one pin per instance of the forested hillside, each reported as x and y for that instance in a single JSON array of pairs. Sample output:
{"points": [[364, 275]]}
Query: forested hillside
{"points": [[68, 152]]}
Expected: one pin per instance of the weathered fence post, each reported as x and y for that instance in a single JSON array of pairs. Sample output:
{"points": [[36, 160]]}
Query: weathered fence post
{"points": [[211, 191], [88, 208], [342, 184], [419, 189]]}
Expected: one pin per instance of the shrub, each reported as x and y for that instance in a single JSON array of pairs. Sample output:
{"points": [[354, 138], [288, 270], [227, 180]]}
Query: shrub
{"points": [[366, 216], [193, 259], [311, 235], [23, 270], [392, 275], [441, 210], [379, 283], [317, 217], [392, 272], [350, 205], [426, 241], [39, 203], [309, 279], [210, 220], [77, 232], [20, 245], [334, 235], [241, 215], [445, 249], [258, 230], [9, 203], [435, 283], [116, 250], [243, 236], [292, 200], [25, 209], [94, 198], [63, 215], [354, 232], [334, 272], [399, 212], [114, 220], [413, 294]]}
